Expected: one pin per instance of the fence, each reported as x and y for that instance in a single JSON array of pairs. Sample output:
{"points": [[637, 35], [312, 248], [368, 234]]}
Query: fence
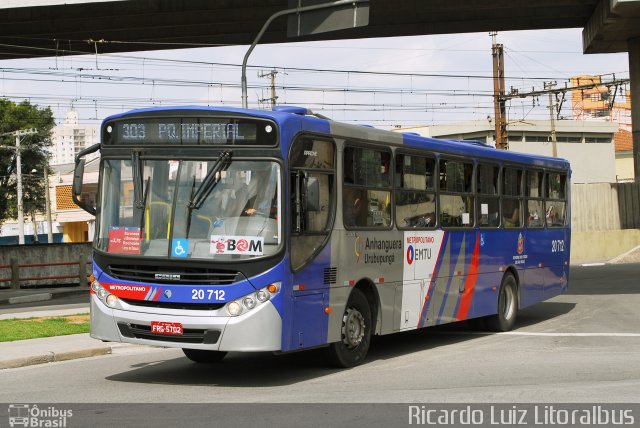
{"points": [[605, 206], [23, 265]]}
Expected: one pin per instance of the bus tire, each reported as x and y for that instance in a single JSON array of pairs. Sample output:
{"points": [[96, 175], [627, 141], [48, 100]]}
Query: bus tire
{"points": [[352, 349], [202, 356], [507, 311]]}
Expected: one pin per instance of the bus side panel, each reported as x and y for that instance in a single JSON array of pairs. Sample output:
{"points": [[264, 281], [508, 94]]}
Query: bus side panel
{"points": [[459, 283], [556, 250], [368, 259], [532, 277], [308, 300], [491, 259]]}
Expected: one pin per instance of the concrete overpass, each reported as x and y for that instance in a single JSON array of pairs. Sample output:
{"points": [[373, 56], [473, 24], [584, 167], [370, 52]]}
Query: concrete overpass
{"points": [[32, 28]]}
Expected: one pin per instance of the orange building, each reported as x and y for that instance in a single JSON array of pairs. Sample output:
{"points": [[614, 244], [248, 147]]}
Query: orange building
{"points": [[596, 104]]}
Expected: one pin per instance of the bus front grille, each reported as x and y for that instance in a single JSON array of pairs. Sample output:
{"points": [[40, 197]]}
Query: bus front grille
{"points": [[164, 275], [139, 331], [175, 305]]}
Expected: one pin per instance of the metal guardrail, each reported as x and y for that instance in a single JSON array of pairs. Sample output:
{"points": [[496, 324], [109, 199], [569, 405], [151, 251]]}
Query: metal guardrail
{"points": [[15, 279]]}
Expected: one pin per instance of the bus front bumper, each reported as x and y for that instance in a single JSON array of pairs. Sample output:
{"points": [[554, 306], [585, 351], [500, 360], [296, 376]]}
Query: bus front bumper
{"points": [[256, 330]]}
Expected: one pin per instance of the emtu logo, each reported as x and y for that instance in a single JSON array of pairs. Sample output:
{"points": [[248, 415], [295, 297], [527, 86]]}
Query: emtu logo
{"points": [[410, 254]]}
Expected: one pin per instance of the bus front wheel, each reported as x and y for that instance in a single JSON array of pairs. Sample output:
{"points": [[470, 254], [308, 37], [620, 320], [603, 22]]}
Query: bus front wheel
{"points": [[202, 356], [355, 332], [507, 311]]}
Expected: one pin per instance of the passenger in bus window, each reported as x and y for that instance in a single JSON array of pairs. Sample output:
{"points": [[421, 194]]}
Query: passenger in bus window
{"points": [[551, 216], [468, 177], [353, 209], [534, 219], [511, 213]]}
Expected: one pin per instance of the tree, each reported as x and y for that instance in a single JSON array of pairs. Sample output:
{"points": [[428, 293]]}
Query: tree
{"points": [[34, 156]]}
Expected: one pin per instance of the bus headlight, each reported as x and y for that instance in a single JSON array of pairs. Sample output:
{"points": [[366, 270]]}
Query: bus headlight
{"points": [[262, 295], [104, 295], [234, 309], [95, 286], [111, 300], [249, 302], [253, 300]]}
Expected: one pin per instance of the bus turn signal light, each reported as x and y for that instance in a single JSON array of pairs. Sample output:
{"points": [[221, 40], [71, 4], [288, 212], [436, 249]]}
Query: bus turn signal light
{"points": [[272, 288]]}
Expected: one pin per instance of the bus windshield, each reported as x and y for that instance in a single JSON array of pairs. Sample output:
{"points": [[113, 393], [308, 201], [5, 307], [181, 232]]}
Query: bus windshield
{"points": [[237, 214]]}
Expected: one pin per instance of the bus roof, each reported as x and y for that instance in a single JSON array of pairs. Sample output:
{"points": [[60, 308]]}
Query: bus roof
{"points": [[294, 120]]}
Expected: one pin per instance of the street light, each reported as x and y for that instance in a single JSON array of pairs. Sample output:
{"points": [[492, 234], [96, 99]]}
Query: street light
{"points": [[20, 134]]}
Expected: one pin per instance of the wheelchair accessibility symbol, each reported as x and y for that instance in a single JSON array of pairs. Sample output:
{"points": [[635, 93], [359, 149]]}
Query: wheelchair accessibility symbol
{"points": [[179, 247]]}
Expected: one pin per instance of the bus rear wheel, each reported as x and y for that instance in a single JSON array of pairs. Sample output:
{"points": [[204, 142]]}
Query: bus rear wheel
{"points": [[202, 356], [351, 350], [507, 311]]}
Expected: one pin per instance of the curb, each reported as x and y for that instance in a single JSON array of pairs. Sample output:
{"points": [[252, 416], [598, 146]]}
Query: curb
{"points": [[41, 297], [52, 357]]}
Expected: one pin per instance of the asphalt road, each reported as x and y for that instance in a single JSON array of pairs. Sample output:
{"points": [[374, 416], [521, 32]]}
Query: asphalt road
{"points": [[583, 346]]}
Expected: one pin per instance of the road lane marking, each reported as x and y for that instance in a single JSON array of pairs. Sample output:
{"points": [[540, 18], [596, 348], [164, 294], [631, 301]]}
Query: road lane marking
{"points": [[532, 333], [528, 333]]}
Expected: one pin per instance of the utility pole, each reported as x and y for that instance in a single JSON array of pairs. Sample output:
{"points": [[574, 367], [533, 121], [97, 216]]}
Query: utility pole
{"points": [[19, 134], [48, 205], [499, 101], [552, 107], [272, 75]]}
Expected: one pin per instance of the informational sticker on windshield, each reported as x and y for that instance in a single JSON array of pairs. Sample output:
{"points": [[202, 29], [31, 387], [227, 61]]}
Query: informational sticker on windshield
{"points": [[230, 244], [124, 240]]}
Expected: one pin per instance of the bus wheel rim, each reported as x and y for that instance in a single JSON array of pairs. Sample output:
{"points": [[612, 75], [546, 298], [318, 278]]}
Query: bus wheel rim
{"points": [[353, 328], [509, 303]]}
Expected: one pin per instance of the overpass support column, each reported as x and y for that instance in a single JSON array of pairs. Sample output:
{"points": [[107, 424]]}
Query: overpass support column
{"points": [[634, 74]]}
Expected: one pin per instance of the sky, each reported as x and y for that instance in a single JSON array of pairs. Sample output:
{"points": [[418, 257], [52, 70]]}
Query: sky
{"points": [[387, 82]]}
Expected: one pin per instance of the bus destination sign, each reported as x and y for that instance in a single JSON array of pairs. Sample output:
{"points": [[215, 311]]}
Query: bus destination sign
{"points": [[190, 131]]}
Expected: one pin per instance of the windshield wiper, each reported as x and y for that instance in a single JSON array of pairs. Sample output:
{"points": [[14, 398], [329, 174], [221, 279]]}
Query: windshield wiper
{"points": [[137, 168], [210, 181], [144, 205]]}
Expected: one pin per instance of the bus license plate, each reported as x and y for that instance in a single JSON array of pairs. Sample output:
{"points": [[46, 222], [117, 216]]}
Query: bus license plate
{"points": [[173, 328]]}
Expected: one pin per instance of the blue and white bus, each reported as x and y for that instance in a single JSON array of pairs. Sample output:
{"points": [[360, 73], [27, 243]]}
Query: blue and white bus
{"points": [[224, 229]]}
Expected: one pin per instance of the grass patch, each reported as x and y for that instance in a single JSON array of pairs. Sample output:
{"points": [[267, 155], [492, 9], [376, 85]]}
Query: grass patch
{"points": [[32, 328]]}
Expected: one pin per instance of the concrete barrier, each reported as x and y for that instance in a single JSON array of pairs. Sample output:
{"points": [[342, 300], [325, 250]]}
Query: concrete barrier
{"points": [[603, 244], [46, 253]]}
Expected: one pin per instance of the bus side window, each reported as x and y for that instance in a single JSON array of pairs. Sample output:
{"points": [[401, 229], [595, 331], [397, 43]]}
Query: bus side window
{"points": [[487, 179], [311, 189], [555, 202], [366, 195], [457, 201], [535, 208], [512, 197]]}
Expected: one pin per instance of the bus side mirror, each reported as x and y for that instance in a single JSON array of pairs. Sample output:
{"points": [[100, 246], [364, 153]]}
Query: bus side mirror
{"points": [[78, 175], [313, 194], [76, 189]]}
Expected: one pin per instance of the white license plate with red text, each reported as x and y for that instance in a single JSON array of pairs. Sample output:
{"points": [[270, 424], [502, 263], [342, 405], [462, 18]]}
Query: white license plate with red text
{"points": [[171, 328]]}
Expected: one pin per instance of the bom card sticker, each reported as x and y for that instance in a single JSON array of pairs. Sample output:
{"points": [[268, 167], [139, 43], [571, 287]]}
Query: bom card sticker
{"points": [[230, 244]]}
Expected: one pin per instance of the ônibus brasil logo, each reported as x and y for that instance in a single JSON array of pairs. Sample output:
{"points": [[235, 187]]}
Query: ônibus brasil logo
{"points": [[26, 415]]}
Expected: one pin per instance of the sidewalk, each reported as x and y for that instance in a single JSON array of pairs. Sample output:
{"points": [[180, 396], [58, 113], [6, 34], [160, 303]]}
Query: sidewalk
{"points": [[21, 353], [10, 296]]}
